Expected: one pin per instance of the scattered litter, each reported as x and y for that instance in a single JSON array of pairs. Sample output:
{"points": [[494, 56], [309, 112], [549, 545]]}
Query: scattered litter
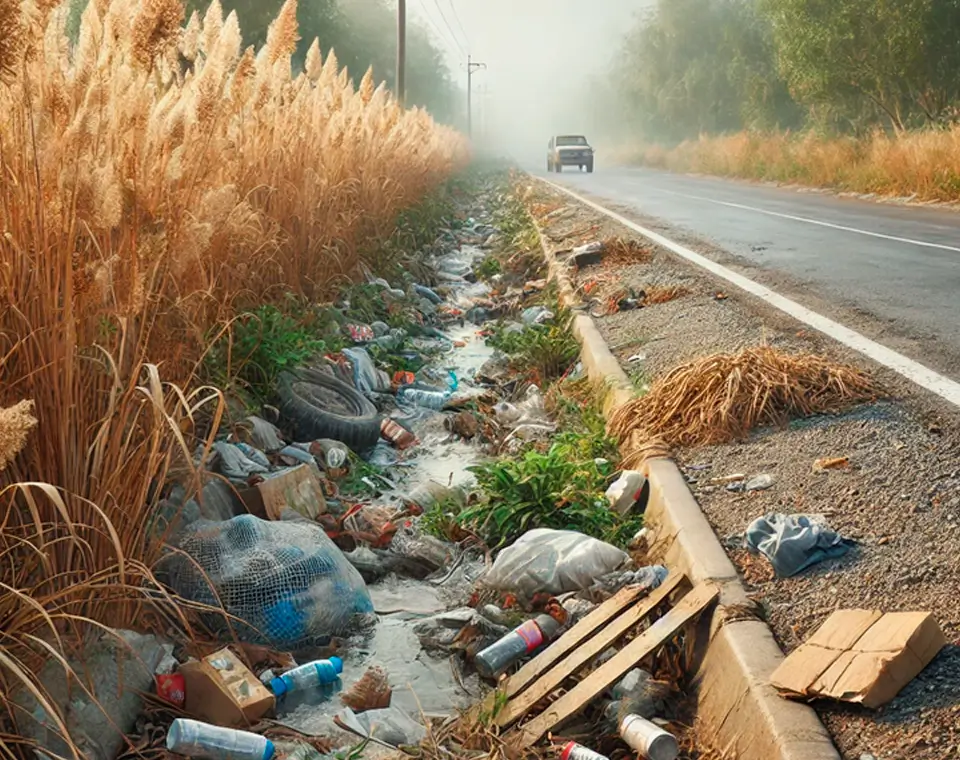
{"points": [[366, 376], [604, 587], [307, 677], [287, 580], [574, 751], [464, 424], [520, 642], [221, 690], [424, 292], [296, 488], [554, 561], [861, 656], [396, 434], [360, 333], [587, 255], [831, 463], [389, 726], [536, 315], [648, 738], [237, 462], [793, 543], [626, 492], [195, 739], [760, 483], [260, 434], [435, 400]]}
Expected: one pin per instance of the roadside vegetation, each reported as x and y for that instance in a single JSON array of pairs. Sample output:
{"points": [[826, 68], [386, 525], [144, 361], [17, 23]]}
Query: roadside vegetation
{"points": [[855, 95], [172, 209]]}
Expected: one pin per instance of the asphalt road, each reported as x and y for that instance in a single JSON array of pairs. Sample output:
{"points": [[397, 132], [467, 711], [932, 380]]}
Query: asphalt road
{"points": [[898, 264]]}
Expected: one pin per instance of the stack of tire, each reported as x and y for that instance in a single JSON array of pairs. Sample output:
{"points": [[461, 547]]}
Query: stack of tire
{"points": [[318, 405]]}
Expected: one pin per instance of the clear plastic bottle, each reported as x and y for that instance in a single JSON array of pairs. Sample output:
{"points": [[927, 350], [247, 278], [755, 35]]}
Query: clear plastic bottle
{"points": [[308, 676], [497, 657], [427, 399], [195, 739]]}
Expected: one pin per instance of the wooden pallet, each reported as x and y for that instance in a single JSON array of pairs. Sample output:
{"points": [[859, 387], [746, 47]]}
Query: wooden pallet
{"points": [[543, 677]]}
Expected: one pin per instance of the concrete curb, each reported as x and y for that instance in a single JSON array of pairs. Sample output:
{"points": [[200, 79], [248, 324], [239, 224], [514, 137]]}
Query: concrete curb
{"points": [[743, 713]]}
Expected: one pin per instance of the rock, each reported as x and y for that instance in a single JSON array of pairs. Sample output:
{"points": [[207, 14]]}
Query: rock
{"points": [[115, 668], [465, 425], [760, 483]]}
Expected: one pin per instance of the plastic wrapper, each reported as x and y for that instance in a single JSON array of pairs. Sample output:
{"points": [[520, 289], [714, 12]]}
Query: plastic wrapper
{"points": [[286, 580], [553, 561]]}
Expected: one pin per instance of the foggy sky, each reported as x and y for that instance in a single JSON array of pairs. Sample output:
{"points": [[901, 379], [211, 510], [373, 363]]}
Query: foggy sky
{"points": [[540, 55]]}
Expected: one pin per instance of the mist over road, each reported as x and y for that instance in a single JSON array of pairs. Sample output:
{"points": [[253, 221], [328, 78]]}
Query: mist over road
{"points": [[897, 264]]}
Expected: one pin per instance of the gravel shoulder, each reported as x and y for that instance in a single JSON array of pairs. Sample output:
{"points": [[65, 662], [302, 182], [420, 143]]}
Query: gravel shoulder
{"points": [[899, 499]]}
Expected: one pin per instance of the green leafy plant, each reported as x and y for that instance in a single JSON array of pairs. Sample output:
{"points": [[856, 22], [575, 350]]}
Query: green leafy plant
{"points": [[489, 267], [562, 488], [262, 344], [544, 351]]}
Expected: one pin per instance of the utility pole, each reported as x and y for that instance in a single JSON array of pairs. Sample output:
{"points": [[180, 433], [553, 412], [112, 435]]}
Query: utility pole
{"points": [[471, 67], [401, 51]]}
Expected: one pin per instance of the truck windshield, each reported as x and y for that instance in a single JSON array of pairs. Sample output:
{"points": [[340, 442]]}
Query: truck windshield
{"points": [[572, 140]]}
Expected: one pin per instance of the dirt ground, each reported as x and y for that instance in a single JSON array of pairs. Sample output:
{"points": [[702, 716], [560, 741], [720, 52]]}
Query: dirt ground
{"points": [[899, 498]]}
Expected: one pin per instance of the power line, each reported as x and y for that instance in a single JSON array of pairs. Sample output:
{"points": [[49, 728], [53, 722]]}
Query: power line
{"points": [[443, 37], [456, 16], [449, 28]]}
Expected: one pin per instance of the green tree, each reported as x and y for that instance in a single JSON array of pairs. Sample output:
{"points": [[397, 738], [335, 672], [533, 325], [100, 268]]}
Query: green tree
{"points": [[867, 59]]}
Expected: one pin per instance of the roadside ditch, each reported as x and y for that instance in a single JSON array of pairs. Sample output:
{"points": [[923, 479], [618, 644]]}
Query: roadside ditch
{"points": [[848, 444], [413, 535]]}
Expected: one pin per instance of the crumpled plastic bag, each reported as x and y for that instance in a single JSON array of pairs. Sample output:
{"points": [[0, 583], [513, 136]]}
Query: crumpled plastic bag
{"points": [[366, 377], [793, 543], [553, 561]]}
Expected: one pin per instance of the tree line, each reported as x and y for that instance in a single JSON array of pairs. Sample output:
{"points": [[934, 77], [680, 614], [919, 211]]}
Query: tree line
{"points": [[361, 32], [691, 67]]}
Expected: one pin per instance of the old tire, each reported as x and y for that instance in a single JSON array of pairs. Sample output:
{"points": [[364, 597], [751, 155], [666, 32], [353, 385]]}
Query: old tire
{"points": [[321, 406]]}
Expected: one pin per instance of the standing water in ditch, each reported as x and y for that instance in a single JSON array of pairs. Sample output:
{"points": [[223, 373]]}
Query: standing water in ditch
{"points": [[422, 681]]}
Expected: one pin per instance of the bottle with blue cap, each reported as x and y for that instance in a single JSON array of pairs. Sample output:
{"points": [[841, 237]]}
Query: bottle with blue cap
{"points": [[308, 676], [195, 739]]}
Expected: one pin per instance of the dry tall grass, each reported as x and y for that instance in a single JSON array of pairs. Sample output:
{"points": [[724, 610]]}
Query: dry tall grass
{"points": [[154, 180], [722, 398], [922, 164]]}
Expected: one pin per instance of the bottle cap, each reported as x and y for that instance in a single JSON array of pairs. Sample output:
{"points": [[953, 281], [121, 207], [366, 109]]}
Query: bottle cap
{"points": [[337, 663], [269, 750], [278, 686]]}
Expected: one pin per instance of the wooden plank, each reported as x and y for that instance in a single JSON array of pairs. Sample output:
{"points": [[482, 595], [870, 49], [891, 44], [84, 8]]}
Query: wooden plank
{"points": [[583, 629], [620, 664], [600, 642]]}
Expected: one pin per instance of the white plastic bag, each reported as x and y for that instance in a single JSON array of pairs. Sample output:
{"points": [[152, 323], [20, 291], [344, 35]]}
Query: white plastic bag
{"points": [[554, 561]]}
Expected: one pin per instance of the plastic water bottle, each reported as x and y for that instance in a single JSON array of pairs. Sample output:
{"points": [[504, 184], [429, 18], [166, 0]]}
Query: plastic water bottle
{"points": [[427, 399], [648, 738], [574, 751], [195, 739], [496, 658], [308, 676]]}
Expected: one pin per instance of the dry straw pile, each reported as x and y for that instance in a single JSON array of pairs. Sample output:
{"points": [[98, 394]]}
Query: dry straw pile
{"points": [[155, 179], [723, 397]]}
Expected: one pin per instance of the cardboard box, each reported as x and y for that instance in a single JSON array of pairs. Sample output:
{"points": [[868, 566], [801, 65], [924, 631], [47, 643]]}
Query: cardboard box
{"points": [[296, 487], [223, 691], [861, 656]]}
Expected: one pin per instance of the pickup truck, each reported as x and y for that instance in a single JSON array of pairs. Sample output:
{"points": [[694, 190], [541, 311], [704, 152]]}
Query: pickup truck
{"points": [[569, 150]]}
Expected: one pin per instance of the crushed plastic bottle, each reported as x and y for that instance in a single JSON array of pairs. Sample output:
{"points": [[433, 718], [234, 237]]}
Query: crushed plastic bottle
{"points": [[195, 739], [308, 676], [497, 657]]}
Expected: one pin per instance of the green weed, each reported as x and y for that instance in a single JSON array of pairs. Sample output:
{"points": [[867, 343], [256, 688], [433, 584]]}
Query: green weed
{"points": [[562, 489], [545, 351], [265, 342]]}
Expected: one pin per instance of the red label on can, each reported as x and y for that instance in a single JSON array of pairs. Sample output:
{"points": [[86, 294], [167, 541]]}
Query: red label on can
{"points": [[172, 688], [531, 634]]}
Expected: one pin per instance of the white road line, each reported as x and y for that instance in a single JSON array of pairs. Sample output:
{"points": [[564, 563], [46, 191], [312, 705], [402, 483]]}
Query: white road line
{"points": [[914, 371], [817, 222]]}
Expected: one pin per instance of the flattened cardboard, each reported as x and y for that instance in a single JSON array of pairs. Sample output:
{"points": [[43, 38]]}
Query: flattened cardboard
{"points": [[861, 656], [221, 690], [297, 488]]}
